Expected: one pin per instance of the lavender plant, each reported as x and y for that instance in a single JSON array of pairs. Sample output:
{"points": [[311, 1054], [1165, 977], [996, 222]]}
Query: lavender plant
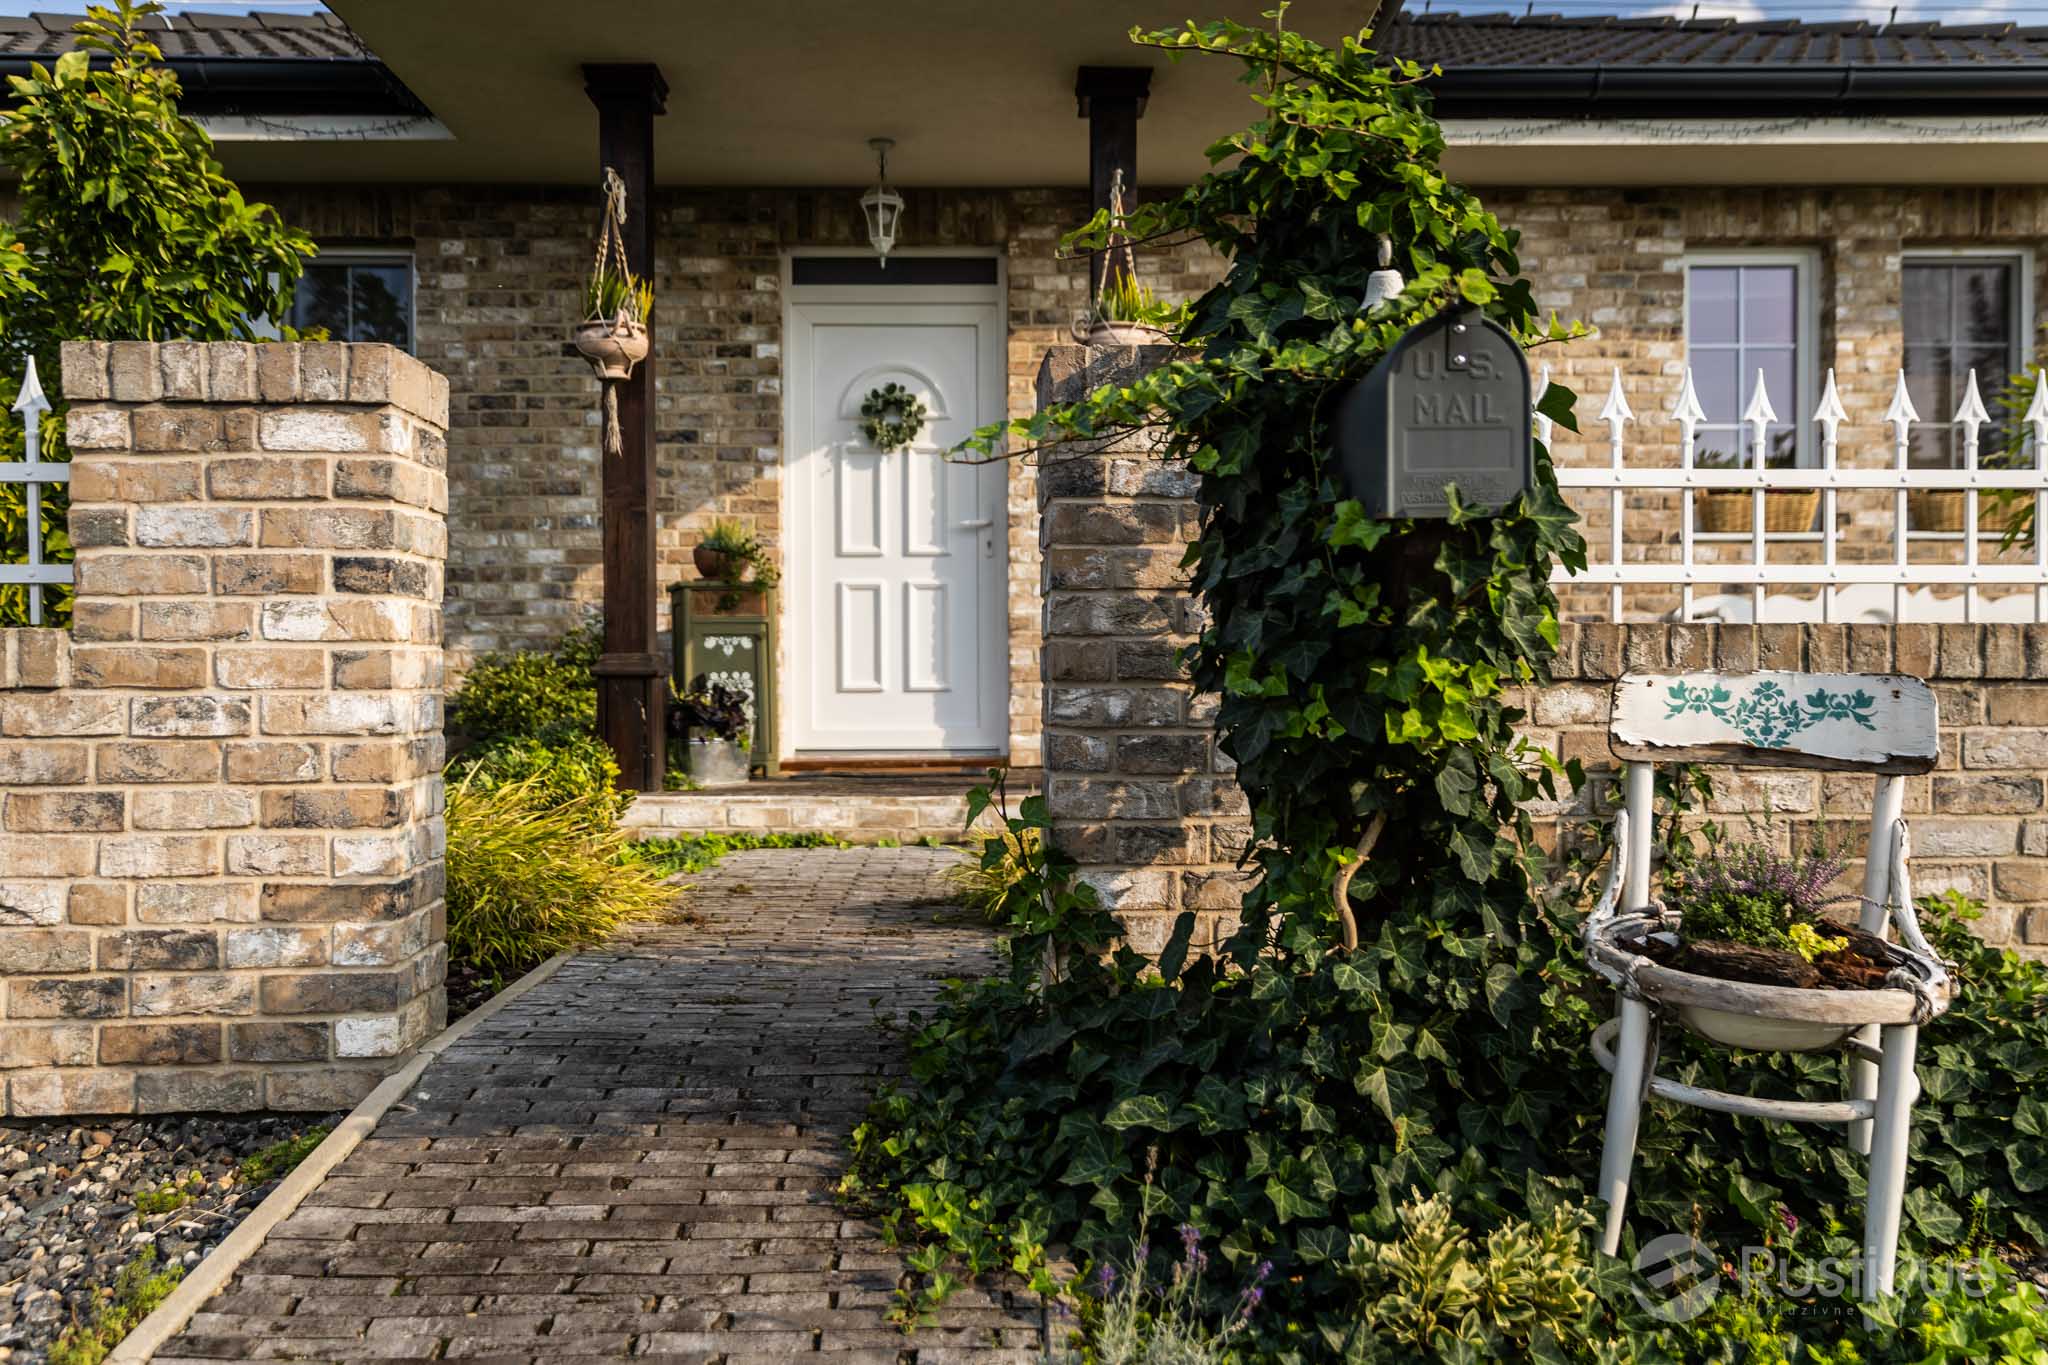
{"points": [[1128, 1318], [1749, 894]]}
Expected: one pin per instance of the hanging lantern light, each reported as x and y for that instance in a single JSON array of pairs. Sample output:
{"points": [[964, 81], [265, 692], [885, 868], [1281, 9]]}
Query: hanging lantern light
{"points": [[882, 206]]}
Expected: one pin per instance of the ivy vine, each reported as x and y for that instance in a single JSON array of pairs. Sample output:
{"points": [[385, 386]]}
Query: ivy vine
{"points": [[891, 416], [1283, 1098]]}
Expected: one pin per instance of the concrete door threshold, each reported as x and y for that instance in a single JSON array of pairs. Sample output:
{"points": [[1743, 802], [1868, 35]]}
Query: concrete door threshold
{"points": [[860, 807]]}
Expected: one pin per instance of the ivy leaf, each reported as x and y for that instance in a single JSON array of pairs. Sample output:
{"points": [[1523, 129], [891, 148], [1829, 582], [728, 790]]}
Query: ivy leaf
{"points": [[1475, 847], [1140, 1111], [1557, 403], [1457, 782], [1937, 1221], [1353, 529], [1175, 955]]}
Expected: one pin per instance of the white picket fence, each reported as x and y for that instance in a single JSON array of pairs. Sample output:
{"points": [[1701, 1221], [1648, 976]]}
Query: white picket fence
{"points": [[34, 474], [1893, 589]]}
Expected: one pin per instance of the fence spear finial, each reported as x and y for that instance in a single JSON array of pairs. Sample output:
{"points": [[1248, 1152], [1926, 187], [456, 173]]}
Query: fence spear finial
{"points": [[1616, 410], [2037, 414], [32, 404], [1759, 415]]}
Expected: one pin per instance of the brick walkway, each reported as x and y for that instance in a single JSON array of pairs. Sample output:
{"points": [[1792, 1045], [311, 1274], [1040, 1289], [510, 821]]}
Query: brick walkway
{"points": [[637, 1158]]}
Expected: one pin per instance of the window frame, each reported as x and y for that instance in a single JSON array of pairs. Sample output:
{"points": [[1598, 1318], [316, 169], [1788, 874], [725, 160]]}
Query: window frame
{"points": [[380, 255], [2021, 259], [1806, 366]]}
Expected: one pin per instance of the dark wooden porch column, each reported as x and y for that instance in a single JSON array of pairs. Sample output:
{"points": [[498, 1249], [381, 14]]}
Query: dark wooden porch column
{"points": [[1112, 99], [632, 689]]}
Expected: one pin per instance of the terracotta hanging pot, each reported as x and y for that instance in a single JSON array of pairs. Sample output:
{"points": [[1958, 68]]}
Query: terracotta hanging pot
{"points": [[613, 348]]}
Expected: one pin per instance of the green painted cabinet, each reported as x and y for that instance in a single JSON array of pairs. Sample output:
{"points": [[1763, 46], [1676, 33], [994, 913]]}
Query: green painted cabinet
{"points": [[727, 635]]}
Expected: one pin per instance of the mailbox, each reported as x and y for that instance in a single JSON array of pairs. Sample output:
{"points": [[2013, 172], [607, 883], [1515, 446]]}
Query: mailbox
{"points": [[1449, 404]]}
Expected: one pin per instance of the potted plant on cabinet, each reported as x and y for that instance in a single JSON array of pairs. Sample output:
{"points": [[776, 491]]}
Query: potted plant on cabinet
{"points": [[716, 724], [730, 553]]}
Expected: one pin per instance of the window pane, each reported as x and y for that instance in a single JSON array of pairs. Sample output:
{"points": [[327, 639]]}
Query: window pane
{"points": [[1713, 378], [1767, 304], [383, 304], [322, 300], [1928, 307], [1776, 366], [1984, 303], [1929, 385], [1718, 447], [1710, 305]]}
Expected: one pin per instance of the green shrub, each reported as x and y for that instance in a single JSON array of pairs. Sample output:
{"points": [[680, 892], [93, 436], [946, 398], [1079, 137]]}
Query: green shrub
{"points": [[1429, 1290], [576, 768], [528, 878], [525, 694]]}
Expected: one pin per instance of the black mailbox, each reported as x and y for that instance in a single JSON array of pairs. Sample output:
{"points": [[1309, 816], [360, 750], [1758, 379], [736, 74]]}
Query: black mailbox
{"points": [[1449, 404]]}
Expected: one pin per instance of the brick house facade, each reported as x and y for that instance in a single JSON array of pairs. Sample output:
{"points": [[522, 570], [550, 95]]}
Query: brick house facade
{"points": [[498, 268]]}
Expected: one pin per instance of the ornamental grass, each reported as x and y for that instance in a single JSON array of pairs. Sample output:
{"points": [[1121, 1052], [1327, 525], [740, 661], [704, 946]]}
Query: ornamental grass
{"points": [[529, 877]]}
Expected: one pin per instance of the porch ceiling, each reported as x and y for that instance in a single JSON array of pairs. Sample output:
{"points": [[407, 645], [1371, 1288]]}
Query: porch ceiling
{"points": [[786, 92]]}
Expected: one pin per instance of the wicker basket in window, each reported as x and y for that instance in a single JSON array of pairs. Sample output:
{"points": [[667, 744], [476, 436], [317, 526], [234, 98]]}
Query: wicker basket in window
{"points": [[1941, 509], [1724, 510]]}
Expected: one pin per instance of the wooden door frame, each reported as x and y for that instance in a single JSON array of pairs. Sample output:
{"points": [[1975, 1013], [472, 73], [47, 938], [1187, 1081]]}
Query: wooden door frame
{"points": [[792, 643]]}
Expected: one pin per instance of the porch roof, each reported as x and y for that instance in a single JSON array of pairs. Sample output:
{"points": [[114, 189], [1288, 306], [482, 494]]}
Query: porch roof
{"points": [[787, 92]]}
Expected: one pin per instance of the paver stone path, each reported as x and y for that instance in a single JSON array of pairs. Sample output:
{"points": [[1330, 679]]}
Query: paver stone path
{"points": [[637, 1158]]}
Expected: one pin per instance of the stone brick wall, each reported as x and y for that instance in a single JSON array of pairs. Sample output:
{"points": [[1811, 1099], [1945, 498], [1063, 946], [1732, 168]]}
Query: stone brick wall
{"points": [[500, 270], [220, 867], [1136, 788], [1142, 798]]}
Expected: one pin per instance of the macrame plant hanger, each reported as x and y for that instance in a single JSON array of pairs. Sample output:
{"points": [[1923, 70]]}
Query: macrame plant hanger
{"points": [[614, 363], [1119, 241]]}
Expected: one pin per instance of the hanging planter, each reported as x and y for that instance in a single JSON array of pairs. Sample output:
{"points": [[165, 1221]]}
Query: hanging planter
{"points": [[891, 417], [1126, 313], [616, 307]]}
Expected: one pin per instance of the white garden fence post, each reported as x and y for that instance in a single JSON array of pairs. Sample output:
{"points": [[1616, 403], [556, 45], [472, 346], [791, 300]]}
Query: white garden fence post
{"points": [[32, 473]]}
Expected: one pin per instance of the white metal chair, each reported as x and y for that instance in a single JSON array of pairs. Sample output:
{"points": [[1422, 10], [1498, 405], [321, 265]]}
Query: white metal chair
{"points": [[1840, 722]]}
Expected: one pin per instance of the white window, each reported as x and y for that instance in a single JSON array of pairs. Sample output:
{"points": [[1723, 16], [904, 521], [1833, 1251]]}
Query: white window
{"points": [[358, 296], [1964, 310], [1750, 314]]}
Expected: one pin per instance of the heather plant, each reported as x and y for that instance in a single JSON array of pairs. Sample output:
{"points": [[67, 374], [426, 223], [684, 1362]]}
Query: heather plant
{"points": [[1750, 894]]}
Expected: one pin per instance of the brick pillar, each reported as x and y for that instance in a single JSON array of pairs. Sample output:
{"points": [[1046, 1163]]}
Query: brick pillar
{"points": [[1137, 790], [221, 883]]}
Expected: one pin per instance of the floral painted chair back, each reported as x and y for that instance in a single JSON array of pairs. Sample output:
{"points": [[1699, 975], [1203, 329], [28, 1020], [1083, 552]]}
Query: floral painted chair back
{"points": [[1855, 722]]}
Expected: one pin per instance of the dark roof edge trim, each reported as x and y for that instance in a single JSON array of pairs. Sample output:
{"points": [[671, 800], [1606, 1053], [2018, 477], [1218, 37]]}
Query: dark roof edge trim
{"points": [[277, 86], [1668, 91]]}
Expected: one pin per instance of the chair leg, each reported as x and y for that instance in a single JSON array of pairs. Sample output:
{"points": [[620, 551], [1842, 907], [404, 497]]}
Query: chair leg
{"points": [[1862, 1086], [1633, 1057], [1891, 1129]]}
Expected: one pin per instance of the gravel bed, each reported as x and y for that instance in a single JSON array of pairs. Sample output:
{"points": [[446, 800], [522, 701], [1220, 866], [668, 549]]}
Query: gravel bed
{"points": [[68, 1221]]}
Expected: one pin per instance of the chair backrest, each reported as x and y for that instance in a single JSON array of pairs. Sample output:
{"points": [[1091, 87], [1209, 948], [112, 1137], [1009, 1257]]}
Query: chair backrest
{"points": [[1853, 722]]}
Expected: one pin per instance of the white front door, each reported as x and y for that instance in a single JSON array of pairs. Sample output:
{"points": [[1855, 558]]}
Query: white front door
{"points": [[896, 634]]}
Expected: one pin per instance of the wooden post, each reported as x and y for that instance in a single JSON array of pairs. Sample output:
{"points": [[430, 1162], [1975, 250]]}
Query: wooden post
{"points": [[631, 688], [1112, 99]]}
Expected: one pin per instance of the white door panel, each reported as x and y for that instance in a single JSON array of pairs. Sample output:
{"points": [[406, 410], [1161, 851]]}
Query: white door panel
{"points": [[896, 559]]}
